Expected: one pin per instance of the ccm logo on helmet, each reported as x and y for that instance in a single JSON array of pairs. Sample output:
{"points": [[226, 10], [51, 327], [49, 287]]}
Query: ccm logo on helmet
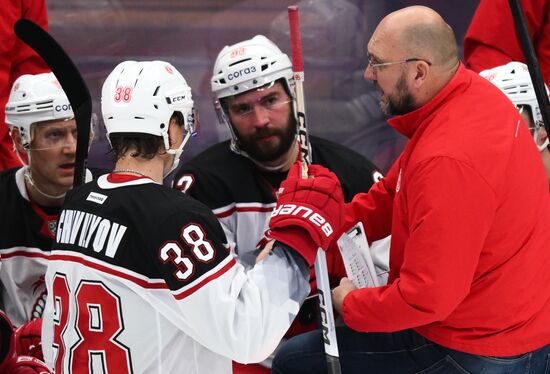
{"points": [[176, 99], [62, 108], [241, 72], [296, 210]]}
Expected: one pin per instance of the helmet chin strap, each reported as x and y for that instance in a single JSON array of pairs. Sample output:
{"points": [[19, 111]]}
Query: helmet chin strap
{"points": [[177, 154], [544, 145], [28, 178], [16, 151]]}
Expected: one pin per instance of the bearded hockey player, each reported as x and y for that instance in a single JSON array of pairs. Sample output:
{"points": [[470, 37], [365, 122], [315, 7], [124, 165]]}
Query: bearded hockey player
{"points": [[254, 89], [141, 277]]}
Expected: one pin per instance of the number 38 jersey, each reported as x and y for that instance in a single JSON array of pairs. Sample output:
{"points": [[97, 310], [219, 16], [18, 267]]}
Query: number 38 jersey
{"points": [[140, 280]]}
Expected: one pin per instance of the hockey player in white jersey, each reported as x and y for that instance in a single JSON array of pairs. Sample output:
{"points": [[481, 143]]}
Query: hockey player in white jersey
{"points": [[44, 134], [141, 279]]}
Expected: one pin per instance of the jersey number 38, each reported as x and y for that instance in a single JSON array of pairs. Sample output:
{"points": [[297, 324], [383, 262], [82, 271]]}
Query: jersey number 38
{"points": [[202, 250], [98, 323]]}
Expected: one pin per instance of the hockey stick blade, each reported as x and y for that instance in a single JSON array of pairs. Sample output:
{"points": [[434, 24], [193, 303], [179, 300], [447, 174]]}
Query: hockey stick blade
{"points": [[70, 80]]}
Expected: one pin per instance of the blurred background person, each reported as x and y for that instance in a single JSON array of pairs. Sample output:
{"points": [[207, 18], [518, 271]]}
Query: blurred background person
{"points": [[16, 59]]}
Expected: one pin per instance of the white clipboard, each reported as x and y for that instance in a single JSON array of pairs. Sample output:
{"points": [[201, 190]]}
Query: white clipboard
{"points": [[355, 251]]}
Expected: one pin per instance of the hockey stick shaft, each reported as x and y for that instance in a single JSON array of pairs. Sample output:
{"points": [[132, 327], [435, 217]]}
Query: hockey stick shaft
{"points": [[70, 80], [532, 61], [321, 270], [298, 69]]}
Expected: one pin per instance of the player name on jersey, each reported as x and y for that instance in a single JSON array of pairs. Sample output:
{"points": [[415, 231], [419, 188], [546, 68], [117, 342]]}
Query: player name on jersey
{"points": [[79, 228]]}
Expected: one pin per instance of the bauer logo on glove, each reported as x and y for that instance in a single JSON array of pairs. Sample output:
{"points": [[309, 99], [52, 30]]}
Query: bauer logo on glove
{"points": [[304, 212], [309, 210]]}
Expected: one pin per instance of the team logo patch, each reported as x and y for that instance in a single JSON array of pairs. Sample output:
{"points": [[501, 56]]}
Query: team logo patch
{"points": [[52, 225]]}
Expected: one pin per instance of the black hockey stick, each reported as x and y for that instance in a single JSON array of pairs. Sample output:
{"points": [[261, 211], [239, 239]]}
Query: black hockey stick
{"points": [[72, 83], [532, 62], [321, 270]]}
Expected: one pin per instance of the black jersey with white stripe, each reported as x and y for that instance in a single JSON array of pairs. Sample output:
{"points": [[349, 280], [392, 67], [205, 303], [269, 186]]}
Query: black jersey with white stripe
{"points": [[138, 276]]}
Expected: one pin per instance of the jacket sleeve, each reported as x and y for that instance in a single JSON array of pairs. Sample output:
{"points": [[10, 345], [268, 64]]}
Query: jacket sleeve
{"points": [[448, 222]]}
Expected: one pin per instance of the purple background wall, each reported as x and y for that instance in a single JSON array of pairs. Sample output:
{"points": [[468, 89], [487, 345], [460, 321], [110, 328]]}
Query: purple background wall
{"points": [[341, 105]]}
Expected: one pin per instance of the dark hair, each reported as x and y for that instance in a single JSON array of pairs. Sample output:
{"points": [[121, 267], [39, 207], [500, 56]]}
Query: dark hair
{"points": [[140, 144]]}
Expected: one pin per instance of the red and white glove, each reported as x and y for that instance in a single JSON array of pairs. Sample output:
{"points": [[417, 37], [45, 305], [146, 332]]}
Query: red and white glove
{"points": [[24, 365], [309, 211], [10, 362], [28, 341]]}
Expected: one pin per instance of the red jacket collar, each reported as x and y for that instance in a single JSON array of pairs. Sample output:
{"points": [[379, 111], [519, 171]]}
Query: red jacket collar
{"points": [[407, 124]]}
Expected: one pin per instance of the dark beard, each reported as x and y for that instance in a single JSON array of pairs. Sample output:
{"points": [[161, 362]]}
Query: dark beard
{"points": [[263, 154], [405, 102]]}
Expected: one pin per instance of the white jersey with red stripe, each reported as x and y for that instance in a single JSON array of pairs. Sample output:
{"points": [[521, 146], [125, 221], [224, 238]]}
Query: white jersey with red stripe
{"points": [[26, 235], [141, 280]]}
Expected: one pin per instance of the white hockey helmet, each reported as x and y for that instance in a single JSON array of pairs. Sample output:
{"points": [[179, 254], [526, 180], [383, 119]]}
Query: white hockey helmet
{"points": [[249, 64], [514, 80], [36, 98], [141, 97]]}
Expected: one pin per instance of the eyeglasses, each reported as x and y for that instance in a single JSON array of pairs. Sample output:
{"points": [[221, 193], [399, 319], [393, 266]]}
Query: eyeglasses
{"points": [[372, 64], [270, 103]]}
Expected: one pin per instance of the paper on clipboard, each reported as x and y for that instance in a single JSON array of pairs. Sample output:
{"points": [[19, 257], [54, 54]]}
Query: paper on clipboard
{"points": [[355, 251]]}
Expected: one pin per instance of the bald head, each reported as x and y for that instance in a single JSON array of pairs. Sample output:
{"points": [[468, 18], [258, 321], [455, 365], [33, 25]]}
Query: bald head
{"points": [[420, 32], [412, 55]]}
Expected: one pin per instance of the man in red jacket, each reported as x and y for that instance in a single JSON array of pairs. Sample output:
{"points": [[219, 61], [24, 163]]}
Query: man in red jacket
{"points": [[466, 204]]}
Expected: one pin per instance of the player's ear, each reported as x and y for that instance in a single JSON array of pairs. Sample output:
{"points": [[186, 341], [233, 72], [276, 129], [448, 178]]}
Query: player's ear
{"points": [[421, 71]]}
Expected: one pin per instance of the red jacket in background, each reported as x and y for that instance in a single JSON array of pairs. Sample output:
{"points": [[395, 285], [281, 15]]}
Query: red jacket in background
{"points": [[491, 39], [16, 59], [468, 209]]}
